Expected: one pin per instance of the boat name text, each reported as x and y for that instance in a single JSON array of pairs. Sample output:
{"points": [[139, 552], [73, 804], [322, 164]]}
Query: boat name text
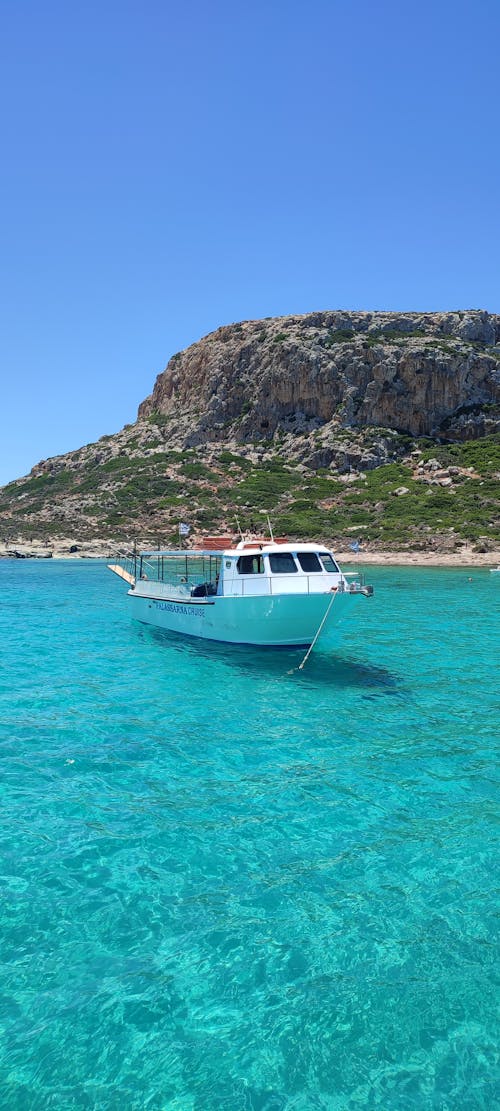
{"points": [[176, 607]]}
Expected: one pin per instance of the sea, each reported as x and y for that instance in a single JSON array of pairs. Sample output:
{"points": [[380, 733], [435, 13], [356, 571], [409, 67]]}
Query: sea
{"points": [[231, 885]]}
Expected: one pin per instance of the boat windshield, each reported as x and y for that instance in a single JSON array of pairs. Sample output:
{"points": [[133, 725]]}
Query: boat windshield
{"points": [[282, 563], [309, 562], [329, 563]]}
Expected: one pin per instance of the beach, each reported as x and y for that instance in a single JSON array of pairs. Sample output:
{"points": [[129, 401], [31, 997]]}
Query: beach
{"points": [[466, 557]]}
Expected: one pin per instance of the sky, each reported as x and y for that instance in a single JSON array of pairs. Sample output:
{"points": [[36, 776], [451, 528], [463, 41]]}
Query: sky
{"points": [[171, 167]]}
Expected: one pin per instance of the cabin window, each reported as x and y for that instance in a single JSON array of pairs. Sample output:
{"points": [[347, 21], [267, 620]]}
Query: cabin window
{"points": [[329, 563], [250, 565], [309, 561], [282, 564]]}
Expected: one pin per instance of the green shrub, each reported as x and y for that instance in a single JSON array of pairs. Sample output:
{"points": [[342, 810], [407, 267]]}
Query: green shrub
{"points": [[198, 470], [482, 454], [442, 345], [341, 335], [227, 458], [159, 419]]}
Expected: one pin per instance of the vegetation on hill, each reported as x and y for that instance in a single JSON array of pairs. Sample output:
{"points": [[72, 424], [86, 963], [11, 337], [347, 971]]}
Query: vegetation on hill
{"points": [[432, 494]]}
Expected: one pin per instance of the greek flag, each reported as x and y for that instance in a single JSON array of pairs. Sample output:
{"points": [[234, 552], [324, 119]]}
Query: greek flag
{"points": [[354, 546], [184, 530]]}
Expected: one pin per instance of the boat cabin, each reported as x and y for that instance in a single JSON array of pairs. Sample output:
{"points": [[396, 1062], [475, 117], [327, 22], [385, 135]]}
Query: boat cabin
{"points": [[255, 569], [276, 569]]}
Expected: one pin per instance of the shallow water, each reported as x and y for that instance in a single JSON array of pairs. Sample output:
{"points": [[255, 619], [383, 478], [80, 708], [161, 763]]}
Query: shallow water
{"points": [[227, 884]]}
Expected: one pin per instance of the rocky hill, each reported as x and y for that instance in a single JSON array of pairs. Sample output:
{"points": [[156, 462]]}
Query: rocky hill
{"points": [[379, 425]]}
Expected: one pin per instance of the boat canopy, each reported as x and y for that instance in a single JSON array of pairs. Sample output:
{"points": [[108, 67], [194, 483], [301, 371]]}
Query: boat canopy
{"points": [[247, 546], [182, 552]]}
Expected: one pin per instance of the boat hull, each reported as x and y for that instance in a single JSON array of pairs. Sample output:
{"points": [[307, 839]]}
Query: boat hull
{"points": [[272, 620]]}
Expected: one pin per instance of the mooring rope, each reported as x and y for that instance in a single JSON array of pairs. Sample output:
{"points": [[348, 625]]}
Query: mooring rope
{"points": [[311, 646]]}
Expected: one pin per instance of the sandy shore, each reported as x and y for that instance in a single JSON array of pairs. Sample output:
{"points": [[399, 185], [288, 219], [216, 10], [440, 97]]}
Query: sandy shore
{"points": [[98, 549], [466, 557]]}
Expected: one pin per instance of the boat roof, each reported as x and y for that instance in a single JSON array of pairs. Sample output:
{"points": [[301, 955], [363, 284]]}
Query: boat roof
{"points": [[183, 552], [249, 548]]}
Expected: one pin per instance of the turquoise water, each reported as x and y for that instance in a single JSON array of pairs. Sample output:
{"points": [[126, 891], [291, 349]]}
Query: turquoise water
{"points": [[227, 886]]}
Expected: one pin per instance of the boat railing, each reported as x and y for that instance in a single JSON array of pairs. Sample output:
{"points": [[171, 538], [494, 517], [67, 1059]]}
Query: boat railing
{"points": [[137, 566], [126, 562], [181, 575], [257, 585], [356, 576]]}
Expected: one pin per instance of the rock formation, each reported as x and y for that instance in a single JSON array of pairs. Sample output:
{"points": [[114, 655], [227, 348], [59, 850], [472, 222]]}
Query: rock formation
{"points": [[424, 374]]}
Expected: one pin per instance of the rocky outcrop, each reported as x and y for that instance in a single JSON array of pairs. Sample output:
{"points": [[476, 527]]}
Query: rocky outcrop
{"points": [[423, 374]]}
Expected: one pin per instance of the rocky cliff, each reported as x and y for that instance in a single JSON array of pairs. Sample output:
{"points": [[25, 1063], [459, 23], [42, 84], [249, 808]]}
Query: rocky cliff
{"points": [[425, 374], [381, 425]]}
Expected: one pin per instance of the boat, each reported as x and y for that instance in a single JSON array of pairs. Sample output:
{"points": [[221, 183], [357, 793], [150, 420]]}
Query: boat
{"points": [[495, 570], [258, 591]]}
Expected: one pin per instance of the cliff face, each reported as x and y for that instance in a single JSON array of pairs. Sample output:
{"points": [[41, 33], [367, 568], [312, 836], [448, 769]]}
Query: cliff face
{"points": [[425, 374]]}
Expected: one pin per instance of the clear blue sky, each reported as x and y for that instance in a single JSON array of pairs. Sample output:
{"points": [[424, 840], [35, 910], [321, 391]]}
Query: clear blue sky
{"points": [[170, 167]]}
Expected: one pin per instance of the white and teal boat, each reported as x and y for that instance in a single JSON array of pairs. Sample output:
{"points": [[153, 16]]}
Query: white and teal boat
{"points": [[259, 592]]}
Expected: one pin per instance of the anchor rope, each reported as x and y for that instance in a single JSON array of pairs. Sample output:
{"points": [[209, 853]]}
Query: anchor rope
{"points": [[311, 646]]}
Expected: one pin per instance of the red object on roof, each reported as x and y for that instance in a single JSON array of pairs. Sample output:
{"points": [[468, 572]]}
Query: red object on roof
{"points": [[216, 543], [262, 541]]}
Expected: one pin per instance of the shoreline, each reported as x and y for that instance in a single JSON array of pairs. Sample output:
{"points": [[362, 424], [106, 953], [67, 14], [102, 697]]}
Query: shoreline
{"points": [[466, 557], [98, 549]]}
